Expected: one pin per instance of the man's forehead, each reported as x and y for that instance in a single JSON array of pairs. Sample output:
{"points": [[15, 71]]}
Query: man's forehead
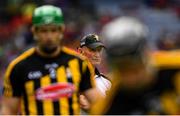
{"points": [[99, 48], [48, 26]]}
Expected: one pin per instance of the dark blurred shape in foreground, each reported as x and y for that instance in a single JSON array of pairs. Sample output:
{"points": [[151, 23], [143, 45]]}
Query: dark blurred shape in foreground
{"points": [[141, 86]]}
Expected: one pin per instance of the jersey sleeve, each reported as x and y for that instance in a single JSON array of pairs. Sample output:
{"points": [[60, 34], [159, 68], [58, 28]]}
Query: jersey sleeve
{"points": [[87, 79], [12, 86]]}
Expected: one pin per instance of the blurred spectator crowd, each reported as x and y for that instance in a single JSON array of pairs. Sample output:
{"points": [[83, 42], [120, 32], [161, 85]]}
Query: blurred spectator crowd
{"points": [[87, 16]]}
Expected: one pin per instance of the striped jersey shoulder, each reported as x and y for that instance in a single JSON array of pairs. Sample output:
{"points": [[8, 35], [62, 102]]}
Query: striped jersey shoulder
{"points": [[170, 59], [23, 56], [73, 53], [85, 62]]}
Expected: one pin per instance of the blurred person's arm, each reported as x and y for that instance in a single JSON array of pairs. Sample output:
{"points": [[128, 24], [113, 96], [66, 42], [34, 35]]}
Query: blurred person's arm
{"points": [[12, 89], [101, 106], [89, 97], [103, 86], [90, 94], [93, 95], [10, 106], [84, 103]]}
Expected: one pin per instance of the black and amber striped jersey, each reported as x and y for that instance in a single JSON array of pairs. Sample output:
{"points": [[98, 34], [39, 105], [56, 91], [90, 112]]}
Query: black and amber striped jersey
{"points": [[167, 86], [29, 72], [160, 98]]}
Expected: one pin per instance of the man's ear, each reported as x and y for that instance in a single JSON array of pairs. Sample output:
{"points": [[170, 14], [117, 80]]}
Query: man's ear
{"points": [[79, 49], [62, 28], [33, 30]]}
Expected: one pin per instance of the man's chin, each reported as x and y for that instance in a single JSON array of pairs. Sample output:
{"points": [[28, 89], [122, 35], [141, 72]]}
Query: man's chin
{"points": [[48, 49], [96, 62]]}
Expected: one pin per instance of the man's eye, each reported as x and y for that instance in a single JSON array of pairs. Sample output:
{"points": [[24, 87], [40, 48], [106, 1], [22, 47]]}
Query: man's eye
{"points": [[43, 30], [98, 50], [92, 50], [54, 30]]}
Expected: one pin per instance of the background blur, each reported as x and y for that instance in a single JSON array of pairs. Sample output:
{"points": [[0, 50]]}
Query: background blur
{"points": [[84, 17]]}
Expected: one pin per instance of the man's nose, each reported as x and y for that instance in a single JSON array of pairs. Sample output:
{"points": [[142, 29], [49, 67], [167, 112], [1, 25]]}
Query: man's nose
{"points": [[97, 53], [49, 34]]}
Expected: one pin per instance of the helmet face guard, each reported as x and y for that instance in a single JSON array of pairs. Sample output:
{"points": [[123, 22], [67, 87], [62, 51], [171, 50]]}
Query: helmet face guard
{"points": [[47, 14]]}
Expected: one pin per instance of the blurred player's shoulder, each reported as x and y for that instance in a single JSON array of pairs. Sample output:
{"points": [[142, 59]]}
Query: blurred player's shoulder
{"points": [[170, 59], [73, 53], [21, 57], [24, 55]]}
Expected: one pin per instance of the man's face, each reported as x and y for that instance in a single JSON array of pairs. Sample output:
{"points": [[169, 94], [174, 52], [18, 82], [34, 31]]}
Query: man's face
{"points": [[94, 55], [48, 36]]}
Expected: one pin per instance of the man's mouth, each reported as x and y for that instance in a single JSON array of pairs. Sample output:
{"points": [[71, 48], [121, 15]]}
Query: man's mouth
{"points": [[96, 59], [49, 49]]}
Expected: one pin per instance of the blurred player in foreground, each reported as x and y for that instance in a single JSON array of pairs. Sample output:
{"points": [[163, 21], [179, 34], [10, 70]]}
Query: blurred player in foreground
{"points": [[92, 48], [135, 89], [47, 78]]}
